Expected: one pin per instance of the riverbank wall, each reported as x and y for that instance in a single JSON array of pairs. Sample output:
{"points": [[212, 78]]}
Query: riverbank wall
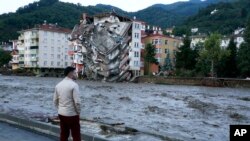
{"points": [[211, 82]]}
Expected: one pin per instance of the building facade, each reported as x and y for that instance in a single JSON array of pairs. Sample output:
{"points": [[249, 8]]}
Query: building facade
{"points": [[44, 49], [197, 39], [166, 47], [136, 46], [238, 36]]}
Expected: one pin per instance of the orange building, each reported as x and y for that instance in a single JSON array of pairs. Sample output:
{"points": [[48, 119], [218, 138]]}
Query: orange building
{"points": [[166, 46]]}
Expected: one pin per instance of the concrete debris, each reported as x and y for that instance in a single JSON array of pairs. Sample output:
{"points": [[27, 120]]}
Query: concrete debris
{"points": [[103, 45]]}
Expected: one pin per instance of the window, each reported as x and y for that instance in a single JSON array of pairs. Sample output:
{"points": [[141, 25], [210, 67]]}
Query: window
{"points": [[66, 57], [137, 35], [158, 60], [166, 42], [135, 25], [136, 45], [58, 56], [66, 63], [45, 63], [156, 41], [136, 54], [175, 52], [52, 56], [52, 63], [45, 55], [158, 50], [175, 45], [166, 51], [160, 41], [58, 63], [136, 63]]}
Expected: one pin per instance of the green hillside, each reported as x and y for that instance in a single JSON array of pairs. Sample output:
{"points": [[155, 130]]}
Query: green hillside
{"points": [[229, 17], [68, 14]]}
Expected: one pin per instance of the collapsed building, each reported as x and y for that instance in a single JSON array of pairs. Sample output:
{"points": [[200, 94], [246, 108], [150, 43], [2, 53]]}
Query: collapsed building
{"points": [[107, 47]]}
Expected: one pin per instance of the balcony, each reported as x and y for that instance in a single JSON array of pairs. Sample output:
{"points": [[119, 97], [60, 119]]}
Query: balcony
{"points": [[14, 61], [21, 59], [78, 61], [33, 51], [33, 59], [21, 51], [34, 44], [77, 49]]}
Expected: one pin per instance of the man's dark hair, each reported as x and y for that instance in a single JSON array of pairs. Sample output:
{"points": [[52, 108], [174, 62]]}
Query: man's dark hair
{"points": [[68, 70]]}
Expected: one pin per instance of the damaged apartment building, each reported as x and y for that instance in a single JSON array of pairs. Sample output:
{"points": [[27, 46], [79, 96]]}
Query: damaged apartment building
{"points": [[107, 47]]}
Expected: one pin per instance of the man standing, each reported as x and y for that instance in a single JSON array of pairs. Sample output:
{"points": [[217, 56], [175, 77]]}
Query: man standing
{"points": [[67, 101]]}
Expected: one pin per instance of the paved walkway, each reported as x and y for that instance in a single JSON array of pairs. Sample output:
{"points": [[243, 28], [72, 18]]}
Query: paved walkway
{"points": [[11, 133]]}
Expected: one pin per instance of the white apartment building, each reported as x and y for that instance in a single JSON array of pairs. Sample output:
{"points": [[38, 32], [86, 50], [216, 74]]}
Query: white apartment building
{"points": [[44, 48], [197, 39], [136, 46], [239, 36]]}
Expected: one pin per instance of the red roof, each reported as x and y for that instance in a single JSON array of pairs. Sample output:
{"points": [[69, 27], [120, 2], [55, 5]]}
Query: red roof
{"points": [[50, 27], [159, 35], [54, 28]]}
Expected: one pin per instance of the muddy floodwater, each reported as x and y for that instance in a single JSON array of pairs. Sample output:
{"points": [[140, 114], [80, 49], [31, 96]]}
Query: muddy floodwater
{"points": [[181, 112]]}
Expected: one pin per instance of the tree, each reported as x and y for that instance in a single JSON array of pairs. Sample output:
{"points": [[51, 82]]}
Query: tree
{"points": [[149, 56], [212, 52], [180, 31], [227, 67], [5, 57], [168, 64], [244, 54], [186, 57]]}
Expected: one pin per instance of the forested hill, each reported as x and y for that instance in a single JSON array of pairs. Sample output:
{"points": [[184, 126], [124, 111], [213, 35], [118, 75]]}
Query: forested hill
{"points": [[68, 14], [222, 17]]}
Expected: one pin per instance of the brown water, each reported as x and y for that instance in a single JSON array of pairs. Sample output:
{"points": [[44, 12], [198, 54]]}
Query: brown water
{"points": [[182, 112]]}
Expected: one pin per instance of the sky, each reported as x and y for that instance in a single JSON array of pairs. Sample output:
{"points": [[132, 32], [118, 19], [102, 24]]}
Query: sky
{"points": [[127, 5]]}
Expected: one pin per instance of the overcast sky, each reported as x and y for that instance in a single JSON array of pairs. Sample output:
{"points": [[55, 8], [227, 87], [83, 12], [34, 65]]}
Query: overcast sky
{"points": [[127, 5]]}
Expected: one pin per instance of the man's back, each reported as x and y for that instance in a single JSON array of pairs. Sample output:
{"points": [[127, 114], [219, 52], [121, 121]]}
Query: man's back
{"points": [[66, 97]]}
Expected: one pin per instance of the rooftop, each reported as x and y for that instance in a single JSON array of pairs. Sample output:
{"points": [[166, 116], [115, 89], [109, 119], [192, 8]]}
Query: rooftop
{"points": [[49, 27]]}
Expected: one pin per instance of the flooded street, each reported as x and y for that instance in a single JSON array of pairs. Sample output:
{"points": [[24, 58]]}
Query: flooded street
{"points": [[182, 112]]}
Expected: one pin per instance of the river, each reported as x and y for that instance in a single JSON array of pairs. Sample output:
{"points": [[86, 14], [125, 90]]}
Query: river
{"points": [[181, 112]]}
